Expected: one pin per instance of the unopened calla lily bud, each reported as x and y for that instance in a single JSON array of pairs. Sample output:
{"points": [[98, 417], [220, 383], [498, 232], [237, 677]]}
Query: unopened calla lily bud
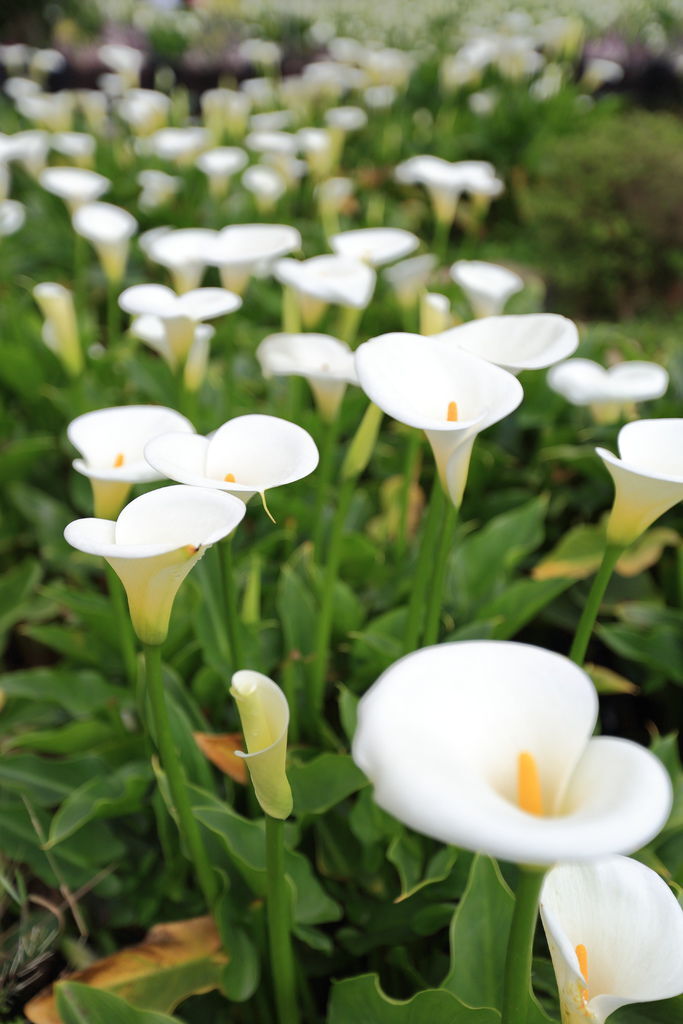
{"points": [[264, 714], [60, 331]]}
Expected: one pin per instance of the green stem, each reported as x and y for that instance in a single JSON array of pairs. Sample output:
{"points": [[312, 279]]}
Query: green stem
{"points": [[324, 624], [435, 599], [517, 975], [177, 783], [348, 324], [117, 596], [592, 605], [278, 906], [113, 329], [324, 475], [412, 456], [231, 606], [424, 567], [79, 277]]}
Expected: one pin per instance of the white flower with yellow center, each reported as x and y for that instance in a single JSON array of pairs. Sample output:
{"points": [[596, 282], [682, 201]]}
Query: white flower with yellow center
{"points": [[241, 250], [375, 246], [324, 280], [111, 443], [75, 185], [428, 383], [219, 165], [326, 362], [247, 455], [615, 932], [154, 543], [530, 341], [610, 393], [488, 745], [185, 253]]}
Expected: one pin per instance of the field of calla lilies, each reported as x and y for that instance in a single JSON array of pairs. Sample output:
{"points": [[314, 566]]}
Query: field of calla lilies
{"points": [[341, 607]]}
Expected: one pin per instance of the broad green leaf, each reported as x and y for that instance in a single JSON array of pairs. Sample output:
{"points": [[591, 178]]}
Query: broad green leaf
{"points": [[79, 1004], [78, 691], [418, 862], [576, 556], [519, 604], [478, 936], [666, 1011], [362, 1000], [658, 647], [71, 738], [323, 782], [108, 796], [16, 586], [18, 457], [46, 780]]}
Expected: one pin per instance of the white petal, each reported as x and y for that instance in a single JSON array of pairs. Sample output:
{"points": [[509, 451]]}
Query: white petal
{"points": [[180, 457], [375, 246], [103, 222], [527, 342], [264, 714], [329, 278], [653, 447], [486, 285], [249, 244], [74, 183], [105, 434], [261, 452], [207, 303], [155, 299], [173, 517], [630, 924], [314, 356]]}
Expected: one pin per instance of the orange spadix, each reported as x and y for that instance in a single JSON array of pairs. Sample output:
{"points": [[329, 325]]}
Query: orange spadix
{"points": [[452, 414], [119, 460], [229, 478], [529, 795]]}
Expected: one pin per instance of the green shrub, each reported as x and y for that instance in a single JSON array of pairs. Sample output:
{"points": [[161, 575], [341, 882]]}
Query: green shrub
{"points": [[606, 215]]}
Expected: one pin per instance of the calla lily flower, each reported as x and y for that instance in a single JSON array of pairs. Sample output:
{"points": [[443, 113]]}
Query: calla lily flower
{"points": [[225, 111], [264, 714], [326, 279], [157, 188], [247, 455], [647, 475], [346, 119], [317, 145], [126, 61], [326, 363], [409, 278], [488, 745], [111, 443], [29, 148], [486, 285], [12, 217], [426, 382], [50, 110], [180, 314], [144, 110], [265, 184], [375, 246], [615, 932], [154, 543], [435, 313], [151, 330], [609, 392], [447, 182], [219, 165], [240, 250], [77, 146], [180, 145], [109, 229], [185, 254], [530, 341], [75, 185], [60, 332]]}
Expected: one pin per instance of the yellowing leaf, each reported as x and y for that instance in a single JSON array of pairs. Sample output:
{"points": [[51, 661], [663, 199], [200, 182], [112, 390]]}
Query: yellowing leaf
{"points": [[578, 554], [647, 550], [174, 961], [608, 681], [220, 749]]}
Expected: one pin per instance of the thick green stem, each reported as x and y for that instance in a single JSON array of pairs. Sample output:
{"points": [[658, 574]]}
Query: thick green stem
{"points": [[324, 624], [592, 605], [278, 906], [231, 605], [331, 432], [517, 976], [113, 328], [124, 628], [435, 597], [424, 569], [412, 456], [175, 775]]}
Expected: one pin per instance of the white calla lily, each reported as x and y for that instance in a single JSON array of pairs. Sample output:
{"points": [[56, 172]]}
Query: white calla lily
{"points": [[247, 455], [435, 313], [144, 110], [446, 182], [427, 382], [154, 543], [241, 250], [266, 185], [29, 148], [326, 279], [225, 111], [157, 188], [151, 330], [111, 443], [609, 392], [179, 145], [487, 286], [109, 229], [60, 331], [264, 714], [488, 745], [12, 217], [615, 932], [409, 278], [326, 362], [180, 314], [529, 341], [219, 165], [375, 246], [77, 146], [647, 475], [75, 185], [126, 61], [185, 252]]}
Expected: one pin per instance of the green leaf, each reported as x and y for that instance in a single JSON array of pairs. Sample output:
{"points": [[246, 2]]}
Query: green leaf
{"points": [[361, 999], [48, 781], [479, 934], [666, 1011], [658, 647], [417, 864], [67, 739], [108, 796], [323, 782], [576, 556], [17, 457], [16, 586], [77, 691], [519, 604], [80, 1004]]}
